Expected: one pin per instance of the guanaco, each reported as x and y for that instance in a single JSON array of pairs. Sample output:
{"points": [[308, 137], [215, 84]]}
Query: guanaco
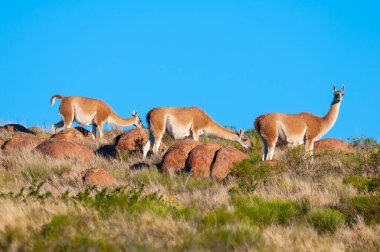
{"points": [[183, 122], [86, 111], [296, 129]]}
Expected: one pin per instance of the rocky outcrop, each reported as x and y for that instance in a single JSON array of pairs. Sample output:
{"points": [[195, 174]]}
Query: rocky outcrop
{"points": [[71, 134], [200, 159], [334, 145], [224, 160], [16, 128], [132, 140], [63, 149], [174, 159], [22, 141], [98, 177]]}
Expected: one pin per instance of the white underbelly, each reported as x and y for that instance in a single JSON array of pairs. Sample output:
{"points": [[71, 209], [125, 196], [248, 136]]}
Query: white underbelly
{"points": [[292, 139], [83, 118], [176, 130]]}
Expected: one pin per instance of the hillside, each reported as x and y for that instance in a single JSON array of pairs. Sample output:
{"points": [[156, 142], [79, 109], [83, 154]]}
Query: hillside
{"points": [[329, 204]]}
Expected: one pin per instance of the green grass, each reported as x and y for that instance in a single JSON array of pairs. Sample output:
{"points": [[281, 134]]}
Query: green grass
{"points": [[366, 206], [325, 220], [296, 204], [363, 184]]}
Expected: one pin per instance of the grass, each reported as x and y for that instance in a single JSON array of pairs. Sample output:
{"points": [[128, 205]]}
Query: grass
{"points": [[329, 204], [325, 219]]}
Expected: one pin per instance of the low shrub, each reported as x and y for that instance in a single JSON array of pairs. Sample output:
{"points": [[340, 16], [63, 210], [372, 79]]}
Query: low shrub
{"points": [[325, 220], [367, 206], [69, 233], [262, 212], [363, 184]]}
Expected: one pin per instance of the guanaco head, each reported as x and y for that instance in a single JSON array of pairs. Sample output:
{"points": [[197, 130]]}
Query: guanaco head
{"points": [[138, 122], [338, 95], [244, 139]]}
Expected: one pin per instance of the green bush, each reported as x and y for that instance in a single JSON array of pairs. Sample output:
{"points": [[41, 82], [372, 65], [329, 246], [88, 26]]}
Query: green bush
{"points": [[325, 220], [69, 233], [261, 212], [367, 207], [363, 184], [247, 173], [229, 238]]}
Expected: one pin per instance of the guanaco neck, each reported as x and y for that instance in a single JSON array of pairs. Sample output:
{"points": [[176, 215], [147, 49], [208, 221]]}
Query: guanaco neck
{"points": [[330, 118], [219, 131], [121, 122]]}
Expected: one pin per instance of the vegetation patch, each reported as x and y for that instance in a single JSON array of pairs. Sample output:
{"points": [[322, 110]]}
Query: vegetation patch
{"points": [[325, 220], [262, 212], [363, 184], [367, 206]]}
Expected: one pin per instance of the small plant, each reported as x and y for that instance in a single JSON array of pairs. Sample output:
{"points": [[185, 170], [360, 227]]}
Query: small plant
{"points": [[368, 154], [325, 220], [363, 184], [249, 172], [263, 213], [367, 207], [32, 191]]}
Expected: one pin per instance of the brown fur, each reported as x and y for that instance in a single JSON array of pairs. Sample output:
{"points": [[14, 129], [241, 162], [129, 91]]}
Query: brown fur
{"points": [[182, 122], [295, 128], [87, 111]]}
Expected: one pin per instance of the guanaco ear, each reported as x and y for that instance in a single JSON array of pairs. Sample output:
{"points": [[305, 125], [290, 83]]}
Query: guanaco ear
{"points": [[342, 88], [134, 113], [241, 133], [334, 88]]}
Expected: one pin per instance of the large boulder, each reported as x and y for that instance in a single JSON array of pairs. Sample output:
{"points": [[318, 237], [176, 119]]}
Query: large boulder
{"points": [[85, 133], [110, 136], [16, 128], [73, 134], [22, 141], [98, 177], [175, 157], [224, 160], [37, 130], [63, 149], [200, 159], [334, 145], [132, 140]]}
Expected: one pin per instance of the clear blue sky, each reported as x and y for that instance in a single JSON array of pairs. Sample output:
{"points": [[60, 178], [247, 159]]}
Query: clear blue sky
{"points": [[235, 59]]}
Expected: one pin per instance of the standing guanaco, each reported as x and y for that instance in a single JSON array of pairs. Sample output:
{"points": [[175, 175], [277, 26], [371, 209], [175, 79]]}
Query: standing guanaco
{"points": [[295, 129], [86, 111]]}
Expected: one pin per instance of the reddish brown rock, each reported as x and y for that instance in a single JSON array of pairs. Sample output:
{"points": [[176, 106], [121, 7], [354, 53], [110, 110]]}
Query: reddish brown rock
{"points": [[37, 130], [334, 145], [98, 177], [22, 141], [71, 134], [224, 160], [174, 159], [70, 175], [109, 136], [132, 140], [16, 128], [200, 159], [85, 133], [1, 142], [63, 149]]}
